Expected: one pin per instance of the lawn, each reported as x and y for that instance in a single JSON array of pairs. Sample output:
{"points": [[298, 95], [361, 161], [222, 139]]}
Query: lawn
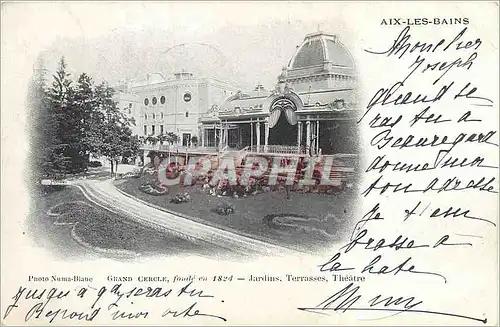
{"points": [[56, 210], [305, 221]]}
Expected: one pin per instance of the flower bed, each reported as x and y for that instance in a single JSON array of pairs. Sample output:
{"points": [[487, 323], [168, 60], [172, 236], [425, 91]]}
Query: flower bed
{"points": [[253, 186], [243, 183]]}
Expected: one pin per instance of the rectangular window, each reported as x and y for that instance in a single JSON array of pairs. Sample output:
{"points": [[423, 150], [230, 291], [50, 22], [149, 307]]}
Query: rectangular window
{"points": [[153, 129], [161, 129], [145, 129]]}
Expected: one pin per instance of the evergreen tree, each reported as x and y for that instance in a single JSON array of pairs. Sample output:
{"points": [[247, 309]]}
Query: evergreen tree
{"points": [[72, 121], [46, 155], [59, 98], [85, 109], [70, 104]]}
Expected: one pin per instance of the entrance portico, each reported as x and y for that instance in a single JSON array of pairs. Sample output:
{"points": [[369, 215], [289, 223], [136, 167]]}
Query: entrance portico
{"points": [[281, 123]]}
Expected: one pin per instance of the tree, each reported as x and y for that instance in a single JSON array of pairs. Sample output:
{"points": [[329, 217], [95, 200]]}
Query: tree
{"points": [[86, 108], [132, 145], [151, 139], [172, 138], [68, 113], [162, 138], [111, 134], [71, 121], [47, 156]]}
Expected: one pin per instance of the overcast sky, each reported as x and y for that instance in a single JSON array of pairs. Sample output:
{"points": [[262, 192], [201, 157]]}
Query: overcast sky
{"points": [[246, 43]]}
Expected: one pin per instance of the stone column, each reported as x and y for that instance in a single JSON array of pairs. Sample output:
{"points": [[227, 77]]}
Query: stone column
{"points": [[299, 135], [313, 134], [266, 135], [251, 136], [221, 138], [308, 133], [239, 136], [215, 136], [226, 134], [317, 136], [257, 130], [202, 135]]}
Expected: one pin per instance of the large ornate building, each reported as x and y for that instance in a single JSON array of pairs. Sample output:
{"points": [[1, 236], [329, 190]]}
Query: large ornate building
{"points": [[311, 110]]}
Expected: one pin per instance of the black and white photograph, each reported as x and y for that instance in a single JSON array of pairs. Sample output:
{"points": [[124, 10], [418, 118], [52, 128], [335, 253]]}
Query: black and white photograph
{"points": [[166, 143], [249, 163]]}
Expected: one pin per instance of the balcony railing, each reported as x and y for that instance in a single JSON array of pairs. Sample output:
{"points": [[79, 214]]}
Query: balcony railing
{"points": [[281, 149], [278, 149], [176, 148]]}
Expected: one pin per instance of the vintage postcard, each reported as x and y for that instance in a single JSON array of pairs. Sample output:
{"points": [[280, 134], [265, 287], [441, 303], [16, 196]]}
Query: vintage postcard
{"points": [[250, 163]]}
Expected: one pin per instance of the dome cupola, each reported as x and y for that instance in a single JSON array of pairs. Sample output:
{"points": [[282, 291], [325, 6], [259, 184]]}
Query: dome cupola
{"points": [[321, 60], [320, 48]]}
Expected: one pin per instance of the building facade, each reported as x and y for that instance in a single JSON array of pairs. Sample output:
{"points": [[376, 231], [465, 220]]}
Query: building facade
{"points": [[158, 106], [312, 110]]}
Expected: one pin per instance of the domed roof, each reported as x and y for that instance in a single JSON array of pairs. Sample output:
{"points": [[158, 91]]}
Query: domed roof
{"points": [[319, 48]]}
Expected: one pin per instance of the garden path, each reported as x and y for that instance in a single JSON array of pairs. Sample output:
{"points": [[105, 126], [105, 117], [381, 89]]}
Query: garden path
{"points": [[104, 194]]}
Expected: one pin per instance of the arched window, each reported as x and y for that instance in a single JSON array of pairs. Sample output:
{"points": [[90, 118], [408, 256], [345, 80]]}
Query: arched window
{"points": [[162, 99], [187, 97], [187, 114], [155, 101], [154, 116], [145, 116], [146, 101], [161, 115]]}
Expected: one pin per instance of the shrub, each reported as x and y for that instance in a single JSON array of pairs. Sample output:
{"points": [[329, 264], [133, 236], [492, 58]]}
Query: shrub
{"points": [[225, 209], [181, 198], [150, 171], [153, 188]]}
